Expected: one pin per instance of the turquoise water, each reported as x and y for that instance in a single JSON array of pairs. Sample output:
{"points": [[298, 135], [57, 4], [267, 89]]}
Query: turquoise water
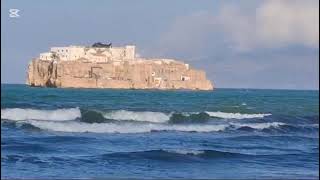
{"points": [[96, 133]]}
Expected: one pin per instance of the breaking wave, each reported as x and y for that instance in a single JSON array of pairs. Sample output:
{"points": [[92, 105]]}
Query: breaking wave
{"points": [[18, 114], [258, 125], [123, 121], [177, 118], [235, 115], [130, 127], [156, 117], [91, 116], [74, 126]]}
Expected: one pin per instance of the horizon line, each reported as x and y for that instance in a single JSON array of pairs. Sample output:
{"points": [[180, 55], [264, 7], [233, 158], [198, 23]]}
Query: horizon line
{"points": [[250, 88]]}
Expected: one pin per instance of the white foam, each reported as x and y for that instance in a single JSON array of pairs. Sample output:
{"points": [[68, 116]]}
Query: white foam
{"points": [[156, 117], [17, 114], [185, 152], [259, 125], [235, 115], [73, 126]]}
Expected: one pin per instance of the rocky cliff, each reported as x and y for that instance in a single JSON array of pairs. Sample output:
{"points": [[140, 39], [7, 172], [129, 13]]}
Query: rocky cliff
{"points": [[137, 74]]}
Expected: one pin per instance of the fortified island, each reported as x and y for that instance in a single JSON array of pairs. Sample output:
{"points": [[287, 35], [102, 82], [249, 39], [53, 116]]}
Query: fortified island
{"points": [[104, 66]]}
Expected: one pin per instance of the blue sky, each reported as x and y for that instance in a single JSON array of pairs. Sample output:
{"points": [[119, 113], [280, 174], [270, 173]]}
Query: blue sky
{"points": [[240, 44]]}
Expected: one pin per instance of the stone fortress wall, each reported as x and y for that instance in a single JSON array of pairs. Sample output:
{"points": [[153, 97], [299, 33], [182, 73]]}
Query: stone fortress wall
{"points": [[89, 67]]}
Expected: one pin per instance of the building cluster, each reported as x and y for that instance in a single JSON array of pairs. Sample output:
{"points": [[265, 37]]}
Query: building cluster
{"points": [[104, 66], [92, 54], [157, 70]]}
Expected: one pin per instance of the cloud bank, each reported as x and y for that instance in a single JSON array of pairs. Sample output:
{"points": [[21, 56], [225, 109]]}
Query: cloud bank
{"points": [[272, 24], [273, 44]]}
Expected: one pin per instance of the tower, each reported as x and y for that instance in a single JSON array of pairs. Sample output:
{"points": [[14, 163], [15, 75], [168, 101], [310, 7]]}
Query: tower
{"points": [[130, 52]]}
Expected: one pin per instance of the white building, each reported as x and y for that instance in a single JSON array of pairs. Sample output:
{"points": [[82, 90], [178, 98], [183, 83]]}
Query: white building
{"points": [[95, 54], [69, 53], [46, 56]]}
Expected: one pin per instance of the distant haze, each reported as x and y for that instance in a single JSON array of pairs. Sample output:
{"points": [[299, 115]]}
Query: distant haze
{"points": [[240, 44]]}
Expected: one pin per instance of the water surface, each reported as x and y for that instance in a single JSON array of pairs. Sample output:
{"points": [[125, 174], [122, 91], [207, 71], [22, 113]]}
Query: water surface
{"points": [[99, 133]]}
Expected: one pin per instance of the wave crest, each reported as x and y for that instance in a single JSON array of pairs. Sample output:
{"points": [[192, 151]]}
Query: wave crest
{"points": [[258, 126], [177, 118], [225, 115], [147, 116], [129, 127], [173, 154], [74, 126], [92, 116], [186, 152], [18, 114]]}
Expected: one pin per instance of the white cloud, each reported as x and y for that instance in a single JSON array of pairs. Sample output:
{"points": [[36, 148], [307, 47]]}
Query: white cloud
{"points": [[288, 22], [268, 32], [272, 24]]}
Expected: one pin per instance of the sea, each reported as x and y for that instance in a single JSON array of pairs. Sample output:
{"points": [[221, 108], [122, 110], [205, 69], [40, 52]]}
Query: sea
{"points": [[52, 133]]}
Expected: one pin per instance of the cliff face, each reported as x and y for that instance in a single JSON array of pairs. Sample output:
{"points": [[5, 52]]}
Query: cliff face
{"points": [[138, 74]]}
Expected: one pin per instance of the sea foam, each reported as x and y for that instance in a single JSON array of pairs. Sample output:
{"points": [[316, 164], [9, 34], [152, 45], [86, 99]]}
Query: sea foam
{"points": [[235, 115], [74, 126], [18, 114], [258, 125], [185, 152], [156, 117], [159, 117], [129, 127]]}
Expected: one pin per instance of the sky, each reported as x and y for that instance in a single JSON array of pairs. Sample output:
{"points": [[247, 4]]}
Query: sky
{"points": [[265, 44]]}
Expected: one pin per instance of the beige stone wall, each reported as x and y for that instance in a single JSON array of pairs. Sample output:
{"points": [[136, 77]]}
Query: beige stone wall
{"points": [[141, 74]]}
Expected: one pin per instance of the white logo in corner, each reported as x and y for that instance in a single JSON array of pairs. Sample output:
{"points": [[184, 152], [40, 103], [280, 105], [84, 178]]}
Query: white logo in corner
{"points": [[14, 13]]}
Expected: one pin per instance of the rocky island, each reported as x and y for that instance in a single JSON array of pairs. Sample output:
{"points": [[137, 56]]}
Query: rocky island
{"points": [[104, 66]]}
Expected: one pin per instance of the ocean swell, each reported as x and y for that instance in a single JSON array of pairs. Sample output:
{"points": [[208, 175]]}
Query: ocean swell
{"points": [[18, 114], [235, 115], [74, 126], [258, 125], [147, 116], [131, 127], [123, 121], [173, 154]]}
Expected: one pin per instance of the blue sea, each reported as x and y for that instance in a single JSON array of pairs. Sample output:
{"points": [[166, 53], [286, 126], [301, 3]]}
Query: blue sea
{"points": [[145, 134]]}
